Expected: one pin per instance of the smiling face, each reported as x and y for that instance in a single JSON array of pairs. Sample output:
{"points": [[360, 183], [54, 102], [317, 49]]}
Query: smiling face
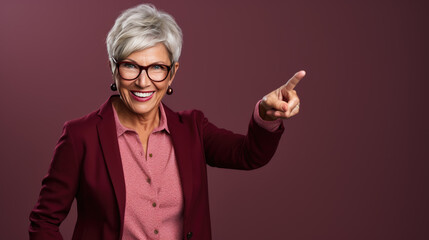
{"points": [[142, 96]]}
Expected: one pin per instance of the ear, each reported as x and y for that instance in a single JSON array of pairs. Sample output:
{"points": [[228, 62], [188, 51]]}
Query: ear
{"points": [[176, 67], [110, 66]]}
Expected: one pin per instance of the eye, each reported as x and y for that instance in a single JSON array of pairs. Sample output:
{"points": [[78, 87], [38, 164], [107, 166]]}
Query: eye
{"points": [[159, 67], [128, 65]]}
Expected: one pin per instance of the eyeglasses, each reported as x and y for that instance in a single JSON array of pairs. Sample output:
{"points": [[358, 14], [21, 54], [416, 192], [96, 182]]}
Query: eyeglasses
{"points": [[129, 70]]}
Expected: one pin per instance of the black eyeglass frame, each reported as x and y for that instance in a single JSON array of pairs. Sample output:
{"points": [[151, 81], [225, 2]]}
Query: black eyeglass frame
{"points": [[141, 68]]}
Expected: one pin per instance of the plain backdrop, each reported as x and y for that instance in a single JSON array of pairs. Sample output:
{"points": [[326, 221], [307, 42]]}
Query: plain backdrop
{"points": [[352, 165]]}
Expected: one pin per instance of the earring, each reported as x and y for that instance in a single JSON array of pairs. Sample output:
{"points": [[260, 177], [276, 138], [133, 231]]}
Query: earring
{"points": [[169, 90], [113, 87]]}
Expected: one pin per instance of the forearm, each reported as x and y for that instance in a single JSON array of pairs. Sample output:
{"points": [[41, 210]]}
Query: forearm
{"points": [[228, 150]]}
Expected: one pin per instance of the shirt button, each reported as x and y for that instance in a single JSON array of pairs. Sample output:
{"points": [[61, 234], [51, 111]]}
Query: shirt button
{"points": [[156, 231], [189, 235], [148, 180], [150, 154], [154, 204]]}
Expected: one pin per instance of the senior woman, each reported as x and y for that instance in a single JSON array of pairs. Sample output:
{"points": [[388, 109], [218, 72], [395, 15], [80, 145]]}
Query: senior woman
{"points": [[138, 169]]}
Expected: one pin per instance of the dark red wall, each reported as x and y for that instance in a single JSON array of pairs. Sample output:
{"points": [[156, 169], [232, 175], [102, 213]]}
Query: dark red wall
{"points": [[352, 165]]}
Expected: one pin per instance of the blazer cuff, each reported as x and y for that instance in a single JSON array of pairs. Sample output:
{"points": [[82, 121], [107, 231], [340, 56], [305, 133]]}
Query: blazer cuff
{"points": [[270, 126]]}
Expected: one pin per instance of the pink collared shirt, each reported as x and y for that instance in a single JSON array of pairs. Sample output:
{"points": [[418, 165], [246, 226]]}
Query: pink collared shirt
{"points": [[154, 198]]}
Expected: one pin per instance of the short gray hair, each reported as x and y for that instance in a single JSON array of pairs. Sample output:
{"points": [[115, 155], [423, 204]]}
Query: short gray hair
{"points": [[142, 27]]}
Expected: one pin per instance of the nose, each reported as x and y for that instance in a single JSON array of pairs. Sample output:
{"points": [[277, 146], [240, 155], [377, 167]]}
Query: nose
{"points": [[143, 80]]}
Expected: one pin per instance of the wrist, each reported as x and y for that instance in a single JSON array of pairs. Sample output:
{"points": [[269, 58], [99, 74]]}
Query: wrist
{"points": [[263, 113]]}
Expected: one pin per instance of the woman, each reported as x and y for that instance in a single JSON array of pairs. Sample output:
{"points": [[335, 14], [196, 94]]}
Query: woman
{"points": [[136, 168]]}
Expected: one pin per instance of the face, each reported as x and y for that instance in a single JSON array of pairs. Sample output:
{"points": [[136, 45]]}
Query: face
{"points": [[143, 96]]}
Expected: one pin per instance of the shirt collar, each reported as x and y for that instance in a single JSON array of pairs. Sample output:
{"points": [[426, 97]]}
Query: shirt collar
{"points": [[120, 129], [162, 120]]}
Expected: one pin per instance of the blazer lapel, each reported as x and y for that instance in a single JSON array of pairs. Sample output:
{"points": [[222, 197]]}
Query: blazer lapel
{"points": [[179, 136], [109, 145]]}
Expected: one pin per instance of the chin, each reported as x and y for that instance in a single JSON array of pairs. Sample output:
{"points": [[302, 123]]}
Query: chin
{"points": [[143, 108]]}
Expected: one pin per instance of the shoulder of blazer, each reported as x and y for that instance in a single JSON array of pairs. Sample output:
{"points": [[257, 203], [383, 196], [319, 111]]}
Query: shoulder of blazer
{"points": [[90, 121], [187, 117]]}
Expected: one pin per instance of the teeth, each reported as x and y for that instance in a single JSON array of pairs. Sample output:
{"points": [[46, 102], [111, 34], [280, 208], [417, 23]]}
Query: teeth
{"points": [[140, 94]]}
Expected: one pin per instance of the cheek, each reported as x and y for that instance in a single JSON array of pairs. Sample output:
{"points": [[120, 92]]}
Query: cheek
{"points": [[122, 83], [161, 92], [123, 88], [120, 86], [162, 87]]}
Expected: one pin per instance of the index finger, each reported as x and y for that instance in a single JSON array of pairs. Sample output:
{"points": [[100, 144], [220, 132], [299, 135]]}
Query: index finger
{"points": [[291, 84]]}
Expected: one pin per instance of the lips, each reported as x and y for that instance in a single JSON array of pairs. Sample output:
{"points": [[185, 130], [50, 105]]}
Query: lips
{"points": [[142, 96]]}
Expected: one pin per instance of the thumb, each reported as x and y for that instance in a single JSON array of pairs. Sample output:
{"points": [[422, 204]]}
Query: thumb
{"points": [[270, 102]]}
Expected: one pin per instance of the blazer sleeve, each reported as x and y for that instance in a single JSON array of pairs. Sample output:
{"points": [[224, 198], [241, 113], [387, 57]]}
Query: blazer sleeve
{"points": [[59, 188], [226, 149]]}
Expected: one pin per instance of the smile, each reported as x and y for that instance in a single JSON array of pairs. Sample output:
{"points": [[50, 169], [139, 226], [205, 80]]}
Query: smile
{"points": [[142, 96]]}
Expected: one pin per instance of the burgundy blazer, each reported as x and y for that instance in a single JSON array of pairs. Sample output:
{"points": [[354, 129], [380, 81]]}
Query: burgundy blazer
{"points": [[87, 166]]}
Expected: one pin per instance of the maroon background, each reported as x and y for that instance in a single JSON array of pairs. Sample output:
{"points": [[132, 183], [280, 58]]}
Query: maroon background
{"points": [[352, 165]]}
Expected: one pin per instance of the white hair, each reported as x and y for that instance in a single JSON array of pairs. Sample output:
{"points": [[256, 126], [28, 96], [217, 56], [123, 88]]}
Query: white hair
{"points": [[142, 27]]}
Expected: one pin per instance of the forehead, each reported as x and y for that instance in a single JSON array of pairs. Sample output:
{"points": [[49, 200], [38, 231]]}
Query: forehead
{"points": [[157, 53]]}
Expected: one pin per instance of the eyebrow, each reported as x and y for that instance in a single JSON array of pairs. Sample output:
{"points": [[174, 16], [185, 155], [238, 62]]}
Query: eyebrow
{"points": [[156, 62]]}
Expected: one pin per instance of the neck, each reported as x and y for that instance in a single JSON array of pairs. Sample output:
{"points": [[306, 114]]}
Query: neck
{"points": [[132, 120]]}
